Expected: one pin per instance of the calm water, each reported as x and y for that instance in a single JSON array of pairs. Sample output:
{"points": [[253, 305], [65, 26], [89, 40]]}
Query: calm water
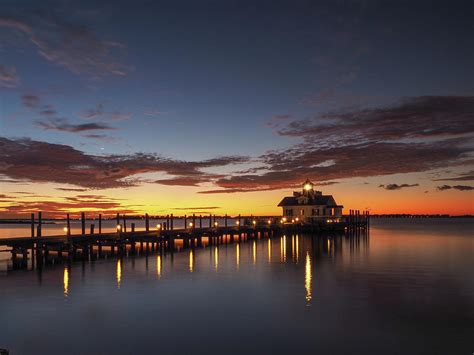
{"points": [[407, 289]]}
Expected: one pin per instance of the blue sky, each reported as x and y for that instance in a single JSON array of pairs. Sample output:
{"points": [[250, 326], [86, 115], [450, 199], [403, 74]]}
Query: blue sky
{"points": [[197, 80]]}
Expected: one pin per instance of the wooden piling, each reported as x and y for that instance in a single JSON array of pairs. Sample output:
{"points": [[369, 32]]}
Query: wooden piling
{"points": [[171, 222], [38, 231], [200, 221], [32, 225], [92, 229], [68, 224], [118, 219], [225, 220], [133, 227], [185, 222], [100, 223], [83, 223], [147, 222], [124, 223]]}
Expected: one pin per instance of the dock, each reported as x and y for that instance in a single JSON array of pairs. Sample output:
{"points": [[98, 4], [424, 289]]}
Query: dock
{"points": [[199, 232]]}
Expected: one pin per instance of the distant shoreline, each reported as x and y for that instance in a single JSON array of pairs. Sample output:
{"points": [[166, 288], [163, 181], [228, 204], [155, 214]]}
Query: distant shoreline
{"points": [[399, 216]]}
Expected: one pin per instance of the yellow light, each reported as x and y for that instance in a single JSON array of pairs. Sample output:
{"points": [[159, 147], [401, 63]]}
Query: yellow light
{"points": [[284, 219], [254, 222], [281, 220], [158, 226], [307, 187], [65, 229], [297, 219], [119, 227], [216, 224], [237, 222], [191, 260], [190, 224], [292, 221], [269, 221]]}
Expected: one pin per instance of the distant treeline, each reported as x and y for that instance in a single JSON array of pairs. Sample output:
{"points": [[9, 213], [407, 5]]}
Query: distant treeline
{"points": [[401, 215]]}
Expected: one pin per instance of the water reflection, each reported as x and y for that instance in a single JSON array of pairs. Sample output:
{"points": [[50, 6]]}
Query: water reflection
{"points": [[119, 273], [308, 278], [269, 242], [158, 266], [297, 248], [216, 257], [254, 252], [191, 260], [66, 281], [237, 255]]}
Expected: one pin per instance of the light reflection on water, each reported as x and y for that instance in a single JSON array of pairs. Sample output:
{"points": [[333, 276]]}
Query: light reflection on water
{"points": [[66, 281], [308, 278], [386, 289]]}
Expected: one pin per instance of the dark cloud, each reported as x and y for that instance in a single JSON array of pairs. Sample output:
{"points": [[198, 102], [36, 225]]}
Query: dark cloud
{"points": [[455, 187], [62, 124], [8, 77], [197, 208], [74, 47], [287, 168], [71, 189], [392, 187], [462, 177], [48, 113], [46, 162], [99, 113], [327, 183], [417, 117], [31, 101]]}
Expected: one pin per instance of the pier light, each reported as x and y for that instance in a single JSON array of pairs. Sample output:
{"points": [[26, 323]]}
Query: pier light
{"points": [[190, 224], [216, 224], [292, 221], [65, 229], [158, 226], [119, 227], [237, 222], [307, 186], [254, 222], [269, 221], [297, 219], [284, 219]]}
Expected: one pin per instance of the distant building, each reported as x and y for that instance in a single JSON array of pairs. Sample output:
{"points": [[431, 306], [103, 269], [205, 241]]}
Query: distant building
{"points": [[310, 205]]}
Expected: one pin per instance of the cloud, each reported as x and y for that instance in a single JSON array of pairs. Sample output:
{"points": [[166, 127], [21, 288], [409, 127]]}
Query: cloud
{"points": [[154, 113], [71, 189], [392, 187], [99, 113], [31, 101], [74, 47], [289, 167], [462, 177], [416, 117], [456, 187], [8, 77], [196, 208], [38, 161], [62, 124], [58, 208]]}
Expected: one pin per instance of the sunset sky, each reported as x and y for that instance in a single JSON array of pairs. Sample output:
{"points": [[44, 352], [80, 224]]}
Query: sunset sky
{"points": [[227, 106]]}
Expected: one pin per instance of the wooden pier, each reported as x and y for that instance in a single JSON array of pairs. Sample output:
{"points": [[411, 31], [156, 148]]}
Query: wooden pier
{"points": [[199, 232]]}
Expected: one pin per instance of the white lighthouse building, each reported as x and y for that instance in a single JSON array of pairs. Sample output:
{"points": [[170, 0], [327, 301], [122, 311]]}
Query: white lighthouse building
{"points": [[310, 205]]}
